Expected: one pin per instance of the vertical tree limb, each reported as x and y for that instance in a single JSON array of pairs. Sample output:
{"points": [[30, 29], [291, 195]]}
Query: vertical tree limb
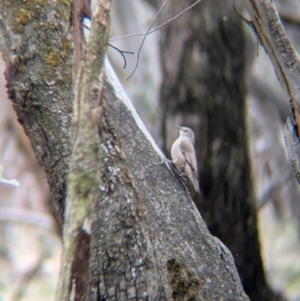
{"points": [[286, 63], [285, 60], [85, 163]]}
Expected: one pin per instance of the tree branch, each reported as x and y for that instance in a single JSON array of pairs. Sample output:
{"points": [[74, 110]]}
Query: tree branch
{"points": [[286, 63], [150, 31], [122, 53], [292, 146], [158, 27], [83, 178]]}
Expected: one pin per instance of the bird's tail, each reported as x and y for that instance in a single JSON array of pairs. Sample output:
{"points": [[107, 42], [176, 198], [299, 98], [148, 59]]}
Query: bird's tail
{"points": [[192, 175], [195, 183]]}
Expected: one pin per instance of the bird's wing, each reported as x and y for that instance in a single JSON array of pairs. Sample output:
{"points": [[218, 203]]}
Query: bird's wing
{"points": [[188, 151], [191, 170]]}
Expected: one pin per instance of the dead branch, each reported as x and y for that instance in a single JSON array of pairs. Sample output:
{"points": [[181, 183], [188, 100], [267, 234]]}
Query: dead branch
{"points": [[121, 52], [157, 28], [114, 47], [286, 63]]}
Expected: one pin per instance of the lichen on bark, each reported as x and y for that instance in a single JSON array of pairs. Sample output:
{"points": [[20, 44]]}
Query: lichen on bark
{"points": [[38, 50]]}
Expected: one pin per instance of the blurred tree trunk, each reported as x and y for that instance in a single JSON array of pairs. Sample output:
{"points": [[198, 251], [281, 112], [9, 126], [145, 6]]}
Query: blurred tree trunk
{"points": [[202, 55]]}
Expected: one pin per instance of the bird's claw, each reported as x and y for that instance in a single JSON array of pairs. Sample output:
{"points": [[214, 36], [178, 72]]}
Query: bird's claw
{"points": [[164, 160]]}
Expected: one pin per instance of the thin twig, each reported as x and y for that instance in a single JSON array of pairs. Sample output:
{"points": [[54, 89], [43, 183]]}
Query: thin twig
{"points": [[144, 38], [149, 32], [86, 26], [121, 52], [158, 27], [114, 47]]}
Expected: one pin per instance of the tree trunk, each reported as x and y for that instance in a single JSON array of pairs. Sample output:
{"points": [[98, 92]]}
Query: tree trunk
{"points": [[203, 69], [37, 46], [146, 239]]}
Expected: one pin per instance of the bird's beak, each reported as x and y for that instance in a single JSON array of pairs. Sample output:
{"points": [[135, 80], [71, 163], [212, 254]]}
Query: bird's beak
{"points": [[179, 127]]}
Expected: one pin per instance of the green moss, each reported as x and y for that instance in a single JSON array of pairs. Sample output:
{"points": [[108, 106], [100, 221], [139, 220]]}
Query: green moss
{"points": [[23, 12], [63, 12], [66, 78], [54, 48], [52, 58], [84, 183], [184, 283], [56, 56], [23, 17], [66, 3], [67, 47], [40, 2], [21, 68]]}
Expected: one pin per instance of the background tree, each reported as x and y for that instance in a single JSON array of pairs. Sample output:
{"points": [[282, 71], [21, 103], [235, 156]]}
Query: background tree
{"points": [[203, 61]]}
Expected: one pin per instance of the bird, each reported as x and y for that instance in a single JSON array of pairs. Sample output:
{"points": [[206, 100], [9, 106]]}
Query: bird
{"points": [[184, 156]]}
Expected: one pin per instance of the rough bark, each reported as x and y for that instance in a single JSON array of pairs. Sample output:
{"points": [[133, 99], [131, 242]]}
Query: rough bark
{"points": [[155, 245], [85, 162], [148, 240], [203, 87], [271, 34], [37, 47]]}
